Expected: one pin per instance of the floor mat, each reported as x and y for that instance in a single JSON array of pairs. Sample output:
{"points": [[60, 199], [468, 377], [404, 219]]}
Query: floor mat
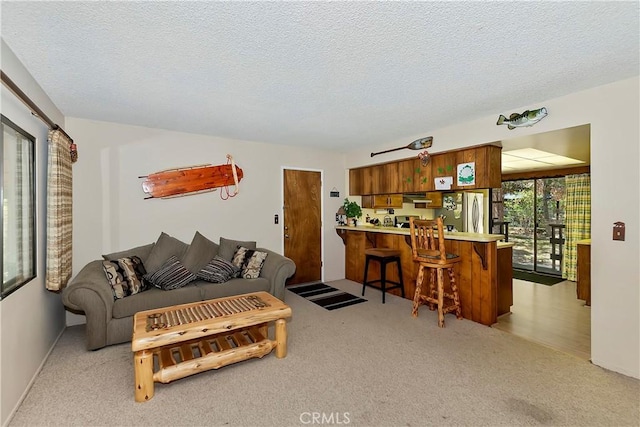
{"points": [[336, 298], [536, 278], [311, 290]]}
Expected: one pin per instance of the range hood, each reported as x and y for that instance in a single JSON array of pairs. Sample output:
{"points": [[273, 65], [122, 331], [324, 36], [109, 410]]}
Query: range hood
{"points": [[415, 198]]}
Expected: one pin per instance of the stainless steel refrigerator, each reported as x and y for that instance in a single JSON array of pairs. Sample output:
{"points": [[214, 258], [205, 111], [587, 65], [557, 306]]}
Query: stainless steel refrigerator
{"points": [[465, 211]]}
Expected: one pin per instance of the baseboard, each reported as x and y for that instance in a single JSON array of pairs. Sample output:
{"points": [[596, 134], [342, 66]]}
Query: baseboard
{"points": [[33, 379]]}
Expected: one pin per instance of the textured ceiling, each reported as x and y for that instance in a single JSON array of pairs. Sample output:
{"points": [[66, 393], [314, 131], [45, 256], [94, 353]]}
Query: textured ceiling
{"points": [[335, 75]]}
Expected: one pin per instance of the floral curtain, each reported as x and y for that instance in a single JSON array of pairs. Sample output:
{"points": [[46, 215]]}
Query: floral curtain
{"points": [[577, 220], [59, 210]]}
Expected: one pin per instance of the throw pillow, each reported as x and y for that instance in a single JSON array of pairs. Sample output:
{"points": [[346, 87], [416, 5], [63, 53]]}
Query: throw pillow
{"points": [[171, 275], [200, 252], [218, 270], [250, 261], [125, 275], [165, 247], [228, 247], [141, 252]]}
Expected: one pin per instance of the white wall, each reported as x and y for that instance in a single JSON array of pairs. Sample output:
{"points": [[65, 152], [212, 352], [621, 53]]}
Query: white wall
{"points": [[31, 318], [111, 214], [613, 111]]}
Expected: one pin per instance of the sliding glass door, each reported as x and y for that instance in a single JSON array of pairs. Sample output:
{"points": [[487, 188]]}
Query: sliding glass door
{"points": [[534, 209], [550, 225]]}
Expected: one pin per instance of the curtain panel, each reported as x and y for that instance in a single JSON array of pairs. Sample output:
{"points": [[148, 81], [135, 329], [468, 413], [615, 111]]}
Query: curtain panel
{"points": [[577, 220], [59, 211]]}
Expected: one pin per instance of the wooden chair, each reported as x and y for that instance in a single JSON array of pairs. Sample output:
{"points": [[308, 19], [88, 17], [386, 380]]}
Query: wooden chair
{"points": [[427, 246]]}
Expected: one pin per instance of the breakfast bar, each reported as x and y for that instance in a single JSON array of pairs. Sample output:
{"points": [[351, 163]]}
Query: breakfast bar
{"points": [[482, 280]]}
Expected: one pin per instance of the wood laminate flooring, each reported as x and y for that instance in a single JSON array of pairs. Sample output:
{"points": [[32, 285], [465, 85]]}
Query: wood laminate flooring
{"points": [[549, 315]]}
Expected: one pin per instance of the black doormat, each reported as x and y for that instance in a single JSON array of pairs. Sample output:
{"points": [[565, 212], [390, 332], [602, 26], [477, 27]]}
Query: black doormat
{"points": [[336, 299], [536, 278], [309, 291]]}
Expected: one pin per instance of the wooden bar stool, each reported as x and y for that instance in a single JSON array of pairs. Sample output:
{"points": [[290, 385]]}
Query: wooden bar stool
{"points": [[427, 246], [383, 256]]}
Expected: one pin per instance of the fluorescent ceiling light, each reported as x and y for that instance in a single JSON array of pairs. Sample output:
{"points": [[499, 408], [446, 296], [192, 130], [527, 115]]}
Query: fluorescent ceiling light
{"points": [[530, 158]]}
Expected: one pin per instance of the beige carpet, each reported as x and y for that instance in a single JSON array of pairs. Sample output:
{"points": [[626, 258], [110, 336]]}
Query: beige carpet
{"points": [[364, 365]]}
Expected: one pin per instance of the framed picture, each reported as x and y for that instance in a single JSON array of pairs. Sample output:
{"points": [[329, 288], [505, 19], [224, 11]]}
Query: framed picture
{"points": [[467, 173]]}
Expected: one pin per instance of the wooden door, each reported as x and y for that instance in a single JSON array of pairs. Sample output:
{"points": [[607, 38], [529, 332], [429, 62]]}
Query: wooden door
{"points": [[302, 224]]}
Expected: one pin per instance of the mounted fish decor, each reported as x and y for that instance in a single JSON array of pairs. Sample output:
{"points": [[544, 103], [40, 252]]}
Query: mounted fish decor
{"points": [[418, 144], [527, 118]]}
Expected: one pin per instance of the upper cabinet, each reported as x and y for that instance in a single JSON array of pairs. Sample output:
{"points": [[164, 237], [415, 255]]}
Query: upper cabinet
{"points": [[385, 179], [407, 175], [356, 181], [414, 176], [443, 165], [411, 176], [360, 181], [487, 162], [383, 201]]}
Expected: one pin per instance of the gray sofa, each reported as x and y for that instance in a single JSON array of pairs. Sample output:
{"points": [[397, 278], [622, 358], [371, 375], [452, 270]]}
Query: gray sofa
{"points": [[110, 321]]}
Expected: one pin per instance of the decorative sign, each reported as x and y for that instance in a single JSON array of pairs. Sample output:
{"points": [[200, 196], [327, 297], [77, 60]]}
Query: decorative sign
{"points": [[334, 192], [449, 202], [467, 173], [443, 182]]}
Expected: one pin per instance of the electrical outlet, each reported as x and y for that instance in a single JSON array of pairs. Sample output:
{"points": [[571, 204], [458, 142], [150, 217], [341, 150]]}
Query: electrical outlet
{"points": [[618, 231]]}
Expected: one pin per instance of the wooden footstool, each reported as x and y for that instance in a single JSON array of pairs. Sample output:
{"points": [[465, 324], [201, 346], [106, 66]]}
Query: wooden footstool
{"points": [[178, 341]]}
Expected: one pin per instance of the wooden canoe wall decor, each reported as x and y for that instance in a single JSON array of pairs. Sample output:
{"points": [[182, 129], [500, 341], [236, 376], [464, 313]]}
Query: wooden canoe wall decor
{"points": [[193, 180]]}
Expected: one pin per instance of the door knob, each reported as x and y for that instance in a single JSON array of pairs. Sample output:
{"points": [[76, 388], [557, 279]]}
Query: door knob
{"points": [[286, 236]]}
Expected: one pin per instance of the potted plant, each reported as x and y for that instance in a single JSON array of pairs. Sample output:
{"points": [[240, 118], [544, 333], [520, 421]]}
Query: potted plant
{"points": [[352, 210]]}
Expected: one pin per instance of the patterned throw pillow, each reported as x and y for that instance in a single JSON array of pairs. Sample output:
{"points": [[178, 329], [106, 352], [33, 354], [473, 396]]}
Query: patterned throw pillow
{"points": [[229, 247], [172, 275], [250, 261], [218, 270], [125, 275]]}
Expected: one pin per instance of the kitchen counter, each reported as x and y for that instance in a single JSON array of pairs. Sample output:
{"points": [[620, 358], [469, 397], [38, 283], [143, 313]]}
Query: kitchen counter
{"points": [[483, 274], [448, 235], [503, 245]]}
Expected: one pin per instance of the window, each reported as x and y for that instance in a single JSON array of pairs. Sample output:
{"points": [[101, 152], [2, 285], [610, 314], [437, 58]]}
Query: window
{"points": [[18, 219]]}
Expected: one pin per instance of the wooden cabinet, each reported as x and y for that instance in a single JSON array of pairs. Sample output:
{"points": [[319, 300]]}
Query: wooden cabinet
{"points": [[360, 182], [356, 182], [423, 176], [505, 279], [476, 274], [385, 179], [409, 175], [433, 199], [583, 279], [414, 176], [488, 166], [382, 201]]}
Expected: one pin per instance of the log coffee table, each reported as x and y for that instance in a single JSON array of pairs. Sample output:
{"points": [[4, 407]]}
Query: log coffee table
{"points": [[182, 340]]}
